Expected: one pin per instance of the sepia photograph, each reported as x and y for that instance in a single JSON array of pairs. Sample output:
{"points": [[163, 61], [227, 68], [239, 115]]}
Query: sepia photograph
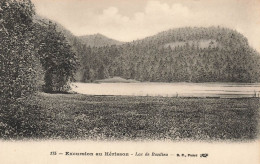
{"points": [[153, 79]]}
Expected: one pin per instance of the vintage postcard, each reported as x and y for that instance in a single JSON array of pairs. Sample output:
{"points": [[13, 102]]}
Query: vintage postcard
{"points": [[129, 81]]}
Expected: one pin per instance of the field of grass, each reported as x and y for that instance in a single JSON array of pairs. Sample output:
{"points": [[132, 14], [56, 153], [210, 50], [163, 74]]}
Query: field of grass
{"points": [[76, 116]]}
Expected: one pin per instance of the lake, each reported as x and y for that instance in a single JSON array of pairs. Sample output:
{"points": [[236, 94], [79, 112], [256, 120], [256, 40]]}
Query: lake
{"points": [[222, 90]]}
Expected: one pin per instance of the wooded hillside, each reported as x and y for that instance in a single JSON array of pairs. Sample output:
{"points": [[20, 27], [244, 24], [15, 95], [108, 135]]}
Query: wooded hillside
{"points": [[196, 54]]}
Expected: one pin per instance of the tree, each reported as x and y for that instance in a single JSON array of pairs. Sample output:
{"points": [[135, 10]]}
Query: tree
{"points": [[16, 49], [57, 58], [17, 63]]}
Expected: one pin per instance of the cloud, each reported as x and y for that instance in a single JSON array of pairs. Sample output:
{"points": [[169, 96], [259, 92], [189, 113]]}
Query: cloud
{"points": [[110, 11], [156, 16]]}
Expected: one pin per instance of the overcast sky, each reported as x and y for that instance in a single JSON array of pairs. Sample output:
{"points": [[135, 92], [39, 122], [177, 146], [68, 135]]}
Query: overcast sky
{"points": [[127, 20]]}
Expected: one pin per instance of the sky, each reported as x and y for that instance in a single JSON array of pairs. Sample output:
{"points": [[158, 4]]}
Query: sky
{"points": [[128, 20]]}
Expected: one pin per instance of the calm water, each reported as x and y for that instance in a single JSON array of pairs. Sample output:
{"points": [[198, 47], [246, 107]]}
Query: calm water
{"points": [[170, 89]]}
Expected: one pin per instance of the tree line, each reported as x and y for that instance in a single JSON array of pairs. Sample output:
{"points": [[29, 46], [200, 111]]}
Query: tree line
{"points": [[226, 58]]}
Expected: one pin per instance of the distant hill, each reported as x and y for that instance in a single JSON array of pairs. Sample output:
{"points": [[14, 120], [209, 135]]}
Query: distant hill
{"points": [[190, 54], [201, 36], [198, 54], [98, 40]]}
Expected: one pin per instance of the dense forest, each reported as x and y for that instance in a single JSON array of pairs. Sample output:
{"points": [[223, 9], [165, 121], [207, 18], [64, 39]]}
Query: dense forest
{"points": [[190, 54], [196, 54], [34, 56]]}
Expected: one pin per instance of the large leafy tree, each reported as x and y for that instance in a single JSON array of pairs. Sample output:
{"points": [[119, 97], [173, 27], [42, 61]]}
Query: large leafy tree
{"points": [[21, 39], [17, 61], [57, 58], [16, 49]]}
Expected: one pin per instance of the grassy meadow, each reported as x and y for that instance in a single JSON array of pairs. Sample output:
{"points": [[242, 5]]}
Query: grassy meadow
{"points": [[77, 116]]}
